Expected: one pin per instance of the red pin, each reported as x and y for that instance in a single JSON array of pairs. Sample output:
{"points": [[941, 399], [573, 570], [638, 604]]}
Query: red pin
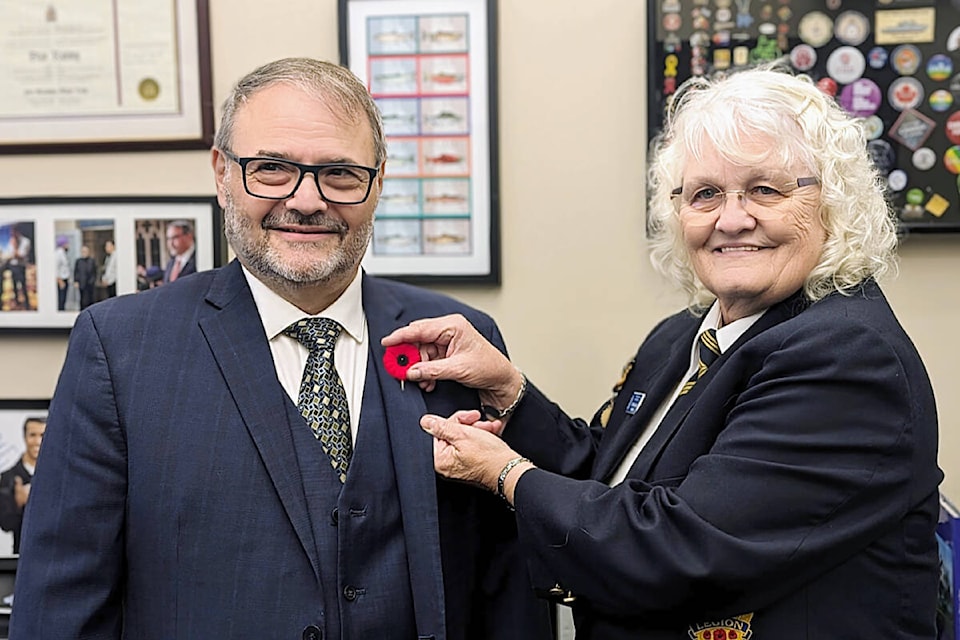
{"points": [[398, 358]]}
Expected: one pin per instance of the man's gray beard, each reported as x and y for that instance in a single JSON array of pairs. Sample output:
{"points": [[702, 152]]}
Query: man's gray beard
{"points": [[267, 263]]}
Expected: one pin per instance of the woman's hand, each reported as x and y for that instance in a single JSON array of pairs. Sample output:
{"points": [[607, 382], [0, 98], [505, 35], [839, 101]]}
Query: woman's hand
{"points": [[464, 448], [451, 349]]}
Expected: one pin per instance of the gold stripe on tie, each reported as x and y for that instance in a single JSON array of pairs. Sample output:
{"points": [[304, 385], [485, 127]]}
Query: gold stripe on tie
{"points": [[708, 350]]}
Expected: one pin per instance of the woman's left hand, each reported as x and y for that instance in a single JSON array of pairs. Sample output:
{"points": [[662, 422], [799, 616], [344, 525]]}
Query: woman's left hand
{"points": [[465, 449]]}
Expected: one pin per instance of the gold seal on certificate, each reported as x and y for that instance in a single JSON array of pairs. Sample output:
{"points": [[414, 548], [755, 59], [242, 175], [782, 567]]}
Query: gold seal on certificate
{"points": [[148, 89]]}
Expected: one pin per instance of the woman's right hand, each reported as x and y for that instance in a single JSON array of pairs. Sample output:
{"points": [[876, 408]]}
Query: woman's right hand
{"points": [[452, 349]]}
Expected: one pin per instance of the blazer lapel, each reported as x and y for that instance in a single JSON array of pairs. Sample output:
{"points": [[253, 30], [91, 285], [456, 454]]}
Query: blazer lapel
{"points": [[413, 461], [657, 384], [681, 407], [235, 335]]}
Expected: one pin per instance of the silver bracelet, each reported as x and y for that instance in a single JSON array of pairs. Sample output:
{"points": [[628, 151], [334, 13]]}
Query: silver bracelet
{"points": [[492, 413], [507, 468]]}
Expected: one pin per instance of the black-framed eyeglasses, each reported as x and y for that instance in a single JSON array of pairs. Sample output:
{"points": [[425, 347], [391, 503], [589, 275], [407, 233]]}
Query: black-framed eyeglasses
{"points": [[760, 200], [276, 179]]}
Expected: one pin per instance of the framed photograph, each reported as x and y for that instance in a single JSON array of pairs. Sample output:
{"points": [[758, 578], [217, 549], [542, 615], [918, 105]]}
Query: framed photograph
{"points": [[20, 423], [431, 67], [892, 65], [102, 75], [60, 255]]}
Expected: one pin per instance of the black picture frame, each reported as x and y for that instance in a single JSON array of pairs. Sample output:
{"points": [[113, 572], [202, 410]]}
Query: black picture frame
{"points": [[157, 104], [135, 225], [683, 39], [431, 65]]}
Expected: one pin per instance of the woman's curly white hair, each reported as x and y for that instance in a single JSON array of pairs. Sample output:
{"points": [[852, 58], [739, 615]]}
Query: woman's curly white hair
{"points": [[801, 123]]}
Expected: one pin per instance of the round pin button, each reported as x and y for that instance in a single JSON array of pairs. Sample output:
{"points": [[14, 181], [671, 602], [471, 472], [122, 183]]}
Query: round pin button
{"points": [[882, 155], [905, 59], [905, 93], [924, 158], [940, 100], [897, 180], [873, 127], [828, 86], [953, 40], [939, 67], [672, 22], [846, 64], [815, 28], [861, 98], [915, 196], [951, 159], [952, 127], [803, 57], [877, 57], [851, 27]]}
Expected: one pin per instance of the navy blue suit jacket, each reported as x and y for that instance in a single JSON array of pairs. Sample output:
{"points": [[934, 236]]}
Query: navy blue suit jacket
{"points": [[796, 484], [168, 502]]}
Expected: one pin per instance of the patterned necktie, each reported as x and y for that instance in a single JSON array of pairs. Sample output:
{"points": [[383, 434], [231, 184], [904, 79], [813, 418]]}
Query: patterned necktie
{"points": [[708, 350], [323, 401]]}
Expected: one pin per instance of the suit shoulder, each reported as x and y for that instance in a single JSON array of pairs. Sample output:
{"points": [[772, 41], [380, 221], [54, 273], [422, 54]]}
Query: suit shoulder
{"points": [[426, 303]]}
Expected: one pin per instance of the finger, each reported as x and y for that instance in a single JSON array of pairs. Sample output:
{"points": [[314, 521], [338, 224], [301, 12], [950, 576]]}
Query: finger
{"points": [[467, 417], [420, 331], [440, 428], [18, 481], [490, 426], [427, 385]]}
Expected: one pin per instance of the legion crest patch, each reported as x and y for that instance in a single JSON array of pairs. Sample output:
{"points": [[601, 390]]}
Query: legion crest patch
{"points": [[735, 628]]}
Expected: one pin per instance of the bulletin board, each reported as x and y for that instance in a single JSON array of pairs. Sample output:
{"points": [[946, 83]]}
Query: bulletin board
{"points": [[894, 63]]}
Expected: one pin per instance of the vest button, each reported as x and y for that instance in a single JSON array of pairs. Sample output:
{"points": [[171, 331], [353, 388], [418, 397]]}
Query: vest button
{"points": [[335, 517], [350, 593], [312, 633]]}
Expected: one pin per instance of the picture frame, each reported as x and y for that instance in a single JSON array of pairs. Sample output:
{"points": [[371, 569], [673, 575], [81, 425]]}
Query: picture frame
{"points": [[52, 237], [13, 414], [431, 67], [105, 76], [892, 65]]}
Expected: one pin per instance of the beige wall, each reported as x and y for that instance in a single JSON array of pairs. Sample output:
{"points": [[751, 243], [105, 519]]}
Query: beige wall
{"points": [[578, 294]]}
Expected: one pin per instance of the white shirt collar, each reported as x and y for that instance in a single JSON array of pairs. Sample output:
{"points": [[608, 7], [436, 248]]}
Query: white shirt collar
{"points": [[727, 334], [277, 314]]}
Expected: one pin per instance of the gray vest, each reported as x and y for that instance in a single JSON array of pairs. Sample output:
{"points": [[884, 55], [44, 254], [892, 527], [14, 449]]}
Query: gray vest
{"points": [[358, 528]]}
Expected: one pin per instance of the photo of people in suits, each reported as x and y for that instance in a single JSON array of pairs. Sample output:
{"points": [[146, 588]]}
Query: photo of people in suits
{"points": [[18, 278], [166, 251]]}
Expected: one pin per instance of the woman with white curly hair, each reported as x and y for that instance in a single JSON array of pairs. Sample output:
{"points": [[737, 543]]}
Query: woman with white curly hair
{"points": [[767, 467]]}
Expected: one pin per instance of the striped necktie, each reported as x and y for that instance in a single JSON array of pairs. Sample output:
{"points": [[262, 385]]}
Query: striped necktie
{"points": [[323, 400], [708, 350]]}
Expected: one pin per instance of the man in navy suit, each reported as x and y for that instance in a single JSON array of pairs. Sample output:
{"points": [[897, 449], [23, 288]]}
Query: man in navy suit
{"points": [[182, 247], [183, 495]]}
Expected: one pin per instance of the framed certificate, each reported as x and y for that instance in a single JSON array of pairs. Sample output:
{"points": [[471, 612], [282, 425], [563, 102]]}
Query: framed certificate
{"points": [[100, 75], [60, 255], [430, 65]]}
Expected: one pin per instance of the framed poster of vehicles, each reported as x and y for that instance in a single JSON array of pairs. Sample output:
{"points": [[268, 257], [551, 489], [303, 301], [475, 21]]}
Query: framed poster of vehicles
{"points": [[59, 255], [894, 63], [430, 65]]}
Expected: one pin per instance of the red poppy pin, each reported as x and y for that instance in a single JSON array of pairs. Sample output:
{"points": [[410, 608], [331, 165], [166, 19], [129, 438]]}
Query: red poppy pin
{"points": [[399, 358]]}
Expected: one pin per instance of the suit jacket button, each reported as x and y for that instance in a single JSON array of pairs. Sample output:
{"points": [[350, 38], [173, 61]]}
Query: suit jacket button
{"points": [[350, 593], [312, 633], [335, 517]]}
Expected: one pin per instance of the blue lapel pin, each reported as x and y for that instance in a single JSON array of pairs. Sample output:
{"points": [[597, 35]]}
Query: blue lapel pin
{"points": [[635, 401]]}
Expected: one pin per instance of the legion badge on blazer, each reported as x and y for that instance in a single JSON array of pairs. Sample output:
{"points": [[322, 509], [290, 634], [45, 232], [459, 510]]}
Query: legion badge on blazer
{"points": [[735, 628]]}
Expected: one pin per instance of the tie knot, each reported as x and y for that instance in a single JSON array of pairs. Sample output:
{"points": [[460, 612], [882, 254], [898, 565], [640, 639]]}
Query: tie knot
{"points": [[315, 333], [708, 349]]}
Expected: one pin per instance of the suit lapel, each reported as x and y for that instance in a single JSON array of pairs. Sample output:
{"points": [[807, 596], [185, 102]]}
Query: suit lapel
{"points": [[413, 460], [235, 335]]}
